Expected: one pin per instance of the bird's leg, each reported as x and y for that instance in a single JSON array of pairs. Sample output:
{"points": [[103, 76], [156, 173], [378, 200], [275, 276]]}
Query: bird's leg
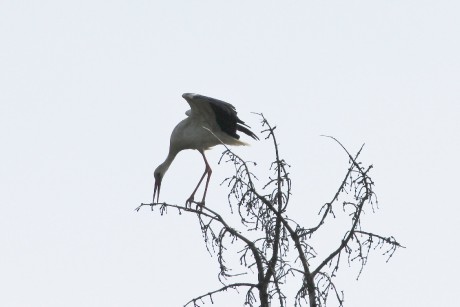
{"points": [[190, 200], [208, 172]]}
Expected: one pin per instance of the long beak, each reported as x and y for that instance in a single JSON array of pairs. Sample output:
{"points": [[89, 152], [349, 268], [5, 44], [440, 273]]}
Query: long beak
{"points": [[157, 188]]}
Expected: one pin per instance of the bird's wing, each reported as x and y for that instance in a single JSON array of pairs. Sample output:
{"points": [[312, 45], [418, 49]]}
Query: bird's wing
{"points": [[199, 109], [217, 112]]}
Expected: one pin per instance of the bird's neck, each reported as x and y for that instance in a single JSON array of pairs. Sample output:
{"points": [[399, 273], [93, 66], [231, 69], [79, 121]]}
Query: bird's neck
{"points": [[169, 159]]}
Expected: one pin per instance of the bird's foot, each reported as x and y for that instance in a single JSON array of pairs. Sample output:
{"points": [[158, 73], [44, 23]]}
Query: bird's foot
{"points": [[199, 205], [190, 201]]}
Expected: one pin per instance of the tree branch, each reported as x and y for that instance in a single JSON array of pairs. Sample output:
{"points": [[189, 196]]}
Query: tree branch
{"points": [[224, 288], [271, 252]]}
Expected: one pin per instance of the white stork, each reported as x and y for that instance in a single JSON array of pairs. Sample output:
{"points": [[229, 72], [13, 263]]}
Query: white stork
{"points": [[210, 122]]}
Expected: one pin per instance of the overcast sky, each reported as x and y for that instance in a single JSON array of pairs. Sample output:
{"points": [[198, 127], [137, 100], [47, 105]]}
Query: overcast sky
{"points": [[90, 91]]}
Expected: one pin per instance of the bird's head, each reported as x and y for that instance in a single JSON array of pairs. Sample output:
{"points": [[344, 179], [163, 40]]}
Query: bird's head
{"points": [[158, 177]]}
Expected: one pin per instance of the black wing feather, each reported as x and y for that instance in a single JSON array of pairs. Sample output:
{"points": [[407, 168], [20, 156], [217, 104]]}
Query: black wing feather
{"points": [[247, 131], [227, 119]]}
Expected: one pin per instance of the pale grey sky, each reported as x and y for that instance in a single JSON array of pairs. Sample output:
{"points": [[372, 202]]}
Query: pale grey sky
{"points": [[90, 91]]}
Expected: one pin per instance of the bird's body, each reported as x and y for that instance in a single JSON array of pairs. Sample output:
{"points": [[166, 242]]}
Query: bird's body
{"points": [[210, 122], [194, 133]]}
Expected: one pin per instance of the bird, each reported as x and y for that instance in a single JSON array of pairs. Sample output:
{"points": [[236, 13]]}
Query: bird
{"points": [[209, 122]]}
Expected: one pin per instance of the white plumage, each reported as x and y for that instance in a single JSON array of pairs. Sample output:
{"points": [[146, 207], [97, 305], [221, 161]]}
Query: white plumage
{"points": [[210, 122]]}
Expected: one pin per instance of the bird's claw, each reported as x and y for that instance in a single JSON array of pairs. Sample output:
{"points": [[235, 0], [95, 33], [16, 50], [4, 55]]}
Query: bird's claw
{"points": [[190, 201], [199, 205]]}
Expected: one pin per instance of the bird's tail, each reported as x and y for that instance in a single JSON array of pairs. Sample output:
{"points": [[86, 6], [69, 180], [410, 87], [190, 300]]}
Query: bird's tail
{"points": [[227, 139]]}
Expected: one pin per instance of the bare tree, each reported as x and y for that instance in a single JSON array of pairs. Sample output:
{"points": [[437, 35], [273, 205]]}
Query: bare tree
{"points": [[274, 247]]}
